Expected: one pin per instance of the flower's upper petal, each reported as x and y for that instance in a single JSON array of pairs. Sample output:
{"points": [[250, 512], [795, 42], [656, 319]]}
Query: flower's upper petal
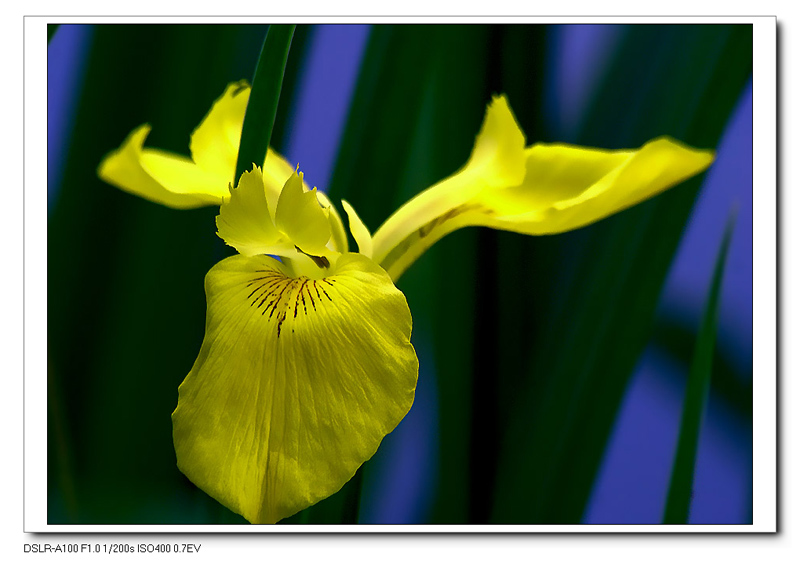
{"points": [[178, 182], [165, 178], [297, 382], [301, 218], [359, 230], [214, 144], [499, 146], [497, 161]]}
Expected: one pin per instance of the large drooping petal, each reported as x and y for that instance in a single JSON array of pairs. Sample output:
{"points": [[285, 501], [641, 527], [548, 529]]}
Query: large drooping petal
{"points": [[180, 182], [297, 382], [562, 188]]}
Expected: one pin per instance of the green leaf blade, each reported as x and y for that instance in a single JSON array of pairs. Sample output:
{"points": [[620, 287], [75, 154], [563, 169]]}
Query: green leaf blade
{"points": [[262, 107], [697, 388]]}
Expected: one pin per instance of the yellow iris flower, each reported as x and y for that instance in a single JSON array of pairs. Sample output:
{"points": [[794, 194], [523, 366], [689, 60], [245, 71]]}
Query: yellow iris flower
{"points": [[307, 363]]}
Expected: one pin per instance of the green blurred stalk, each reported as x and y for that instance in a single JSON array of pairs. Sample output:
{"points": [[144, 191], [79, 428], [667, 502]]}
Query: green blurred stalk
{"points": [[732, 383], [264, 96], [680, 488]]}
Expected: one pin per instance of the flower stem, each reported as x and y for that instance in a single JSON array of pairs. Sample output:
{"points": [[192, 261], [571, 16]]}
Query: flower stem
{"points": [[262, 106]]}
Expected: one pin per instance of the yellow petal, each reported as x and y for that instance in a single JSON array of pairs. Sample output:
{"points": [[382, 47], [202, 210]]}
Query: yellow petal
{"points": [[275, 171], [338, 240], [562, 188], [245, 219], [359, 230], [497, 161], [179, 182], [165, 178], [499, 145], [568, 187], [214, 144], [297, 382], [301, 218]]}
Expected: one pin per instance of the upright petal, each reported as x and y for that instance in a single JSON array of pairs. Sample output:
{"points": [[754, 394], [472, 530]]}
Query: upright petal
{"points": [[179, 182], [297, 382], [214, 144], [161, 177], [499, 146]]}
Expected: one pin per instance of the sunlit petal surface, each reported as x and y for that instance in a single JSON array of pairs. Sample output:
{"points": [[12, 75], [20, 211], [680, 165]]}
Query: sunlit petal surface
{"points": [[297, 382]]}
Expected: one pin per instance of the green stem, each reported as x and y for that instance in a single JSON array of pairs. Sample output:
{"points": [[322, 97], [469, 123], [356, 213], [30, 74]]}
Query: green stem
{"points": [[262, 106]]}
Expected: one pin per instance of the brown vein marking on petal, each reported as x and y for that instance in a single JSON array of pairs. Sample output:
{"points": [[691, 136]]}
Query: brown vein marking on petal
{"points": [[300, 297], [274, 303], [268, 285], [280, 322], [316, 290], [279, 295], [323, 289], [426, 229], [267, 277], [310, 297], [401, 248]]}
